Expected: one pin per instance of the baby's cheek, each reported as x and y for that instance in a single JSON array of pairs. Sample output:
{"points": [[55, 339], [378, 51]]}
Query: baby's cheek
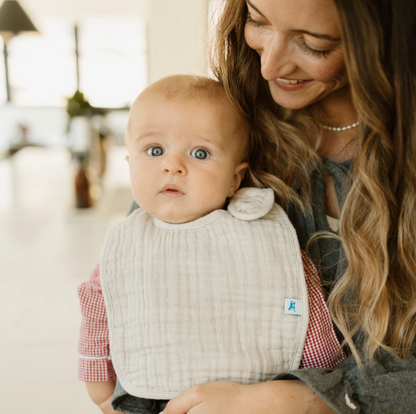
{"points": [[140, 189]]}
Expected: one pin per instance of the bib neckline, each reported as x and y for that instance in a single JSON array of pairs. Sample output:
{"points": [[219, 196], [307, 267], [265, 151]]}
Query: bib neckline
{"points": [[195, 224]]}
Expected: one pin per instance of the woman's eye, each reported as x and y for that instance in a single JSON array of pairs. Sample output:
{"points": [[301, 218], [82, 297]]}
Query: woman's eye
{"points": [[253, 22], [320, 53], [200, 154], [155, 151]]}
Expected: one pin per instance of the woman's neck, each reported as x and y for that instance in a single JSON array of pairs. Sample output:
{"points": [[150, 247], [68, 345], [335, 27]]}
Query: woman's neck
{"points": [[339, 146]]}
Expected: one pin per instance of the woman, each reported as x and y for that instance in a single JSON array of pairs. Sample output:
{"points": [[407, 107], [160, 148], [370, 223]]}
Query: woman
{"points": [[329, 86]]}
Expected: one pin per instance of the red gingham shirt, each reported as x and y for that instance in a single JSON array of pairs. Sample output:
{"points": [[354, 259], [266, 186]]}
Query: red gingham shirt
{"points": [[322, 348]]}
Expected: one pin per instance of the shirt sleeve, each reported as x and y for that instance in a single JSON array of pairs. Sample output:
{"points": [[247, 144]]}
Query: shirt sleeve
{"points": [[322, 348], [94, 344]]}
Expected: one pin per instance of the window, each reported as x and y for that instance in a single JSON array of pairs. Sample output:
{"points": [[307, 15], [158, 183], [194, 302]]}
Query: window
{"points": [[112, 62]]}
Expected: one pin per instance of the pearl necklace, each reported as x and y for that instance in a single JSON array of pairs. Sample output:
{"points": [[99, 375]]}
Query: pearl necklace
{"points": [[346, 128]]}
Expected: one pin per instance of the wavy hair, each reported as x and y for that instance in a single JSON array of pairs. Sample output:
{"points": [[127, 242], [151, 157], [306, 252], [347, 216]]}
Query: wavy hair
{"points": [[378, 222], [278, 146], [375, 299]]}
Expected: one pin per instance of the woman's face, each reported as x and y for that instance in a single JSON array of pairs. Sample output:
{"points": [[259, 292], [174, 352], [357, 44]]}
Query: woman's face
{"points": [[302, 58]]}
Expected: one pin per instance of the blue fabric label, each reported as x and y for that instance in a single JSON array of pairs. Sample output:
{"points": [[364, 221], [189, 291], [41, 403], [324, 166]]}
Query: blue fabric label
{"points": [[293, 307]]}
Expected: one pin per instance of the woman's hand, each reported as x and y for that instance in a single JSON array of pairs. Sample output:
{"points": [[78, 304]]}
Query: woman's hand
{"points": [[225, 397]]}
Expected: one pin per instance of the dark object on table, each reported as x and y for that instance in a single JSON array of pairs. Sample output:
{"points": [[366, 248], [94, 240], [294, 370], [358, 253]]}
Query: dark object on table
{"points": [[82, 183]]}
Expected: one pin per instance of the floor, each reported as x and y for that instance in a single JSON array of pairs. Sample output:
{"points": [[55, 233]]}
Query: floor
{"points": [[47, 248]]}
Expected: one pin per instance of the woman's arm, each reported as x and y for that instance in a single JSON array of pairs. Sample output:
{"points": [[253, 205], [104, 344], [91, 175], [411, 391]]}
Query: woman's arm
{"points": [[224, 397], [385, 386]]}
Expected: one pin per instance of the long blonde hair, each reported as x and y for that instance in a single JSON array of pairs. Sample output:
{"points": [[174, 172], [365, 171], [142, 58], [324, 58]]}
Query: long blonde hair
{"points": [[375, 298]]}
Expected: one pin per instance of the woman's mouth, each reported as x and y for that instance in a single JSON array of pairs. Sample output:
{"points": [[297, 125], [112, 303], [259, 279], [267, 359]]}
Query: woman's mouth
{"points": [[292, 84]]}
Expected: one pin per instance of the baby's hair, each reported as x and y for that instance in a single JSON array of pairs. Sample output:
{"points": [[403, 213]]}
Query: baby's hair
{"points": [[189, 87], [178, 87]]}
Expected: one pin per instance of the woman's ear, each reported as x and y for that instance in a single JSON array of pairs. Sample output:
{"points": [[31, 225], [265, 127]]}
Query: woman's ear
{"points": [[239, 173]]}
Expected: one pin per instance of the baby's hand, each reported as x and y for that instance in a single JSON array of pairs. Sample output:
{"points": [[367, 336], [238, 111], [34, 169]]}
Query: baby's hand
{"points": [[106, 407], [101, 393]]}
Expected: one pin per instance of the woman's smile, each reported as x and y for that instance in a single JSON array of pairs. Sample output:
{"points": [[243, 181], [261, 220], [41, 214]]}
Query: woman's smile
{"points": [[292, 84]]}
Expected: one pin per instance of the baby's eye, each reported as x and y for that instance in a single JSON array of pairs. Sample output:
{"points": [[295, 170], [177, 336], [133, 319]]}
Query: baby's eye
{"points": [[200, 154], [155, 151]]}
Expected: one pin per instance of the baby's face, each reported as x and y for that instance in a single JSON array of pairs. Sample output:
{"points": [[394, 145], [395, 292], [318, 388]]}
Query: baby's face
{"points": [[184, 157]]}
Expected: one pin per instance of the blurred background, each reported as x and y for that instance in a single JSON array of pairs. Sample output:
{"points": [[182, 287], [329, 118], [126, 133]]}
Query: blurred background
{"points": [[69, 73]]}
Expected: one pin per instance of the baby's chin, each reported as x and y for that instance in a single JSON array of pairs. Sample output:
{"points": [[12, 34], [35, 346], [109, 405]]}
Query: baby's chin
{"points": [[175, 213], [177, 220]]}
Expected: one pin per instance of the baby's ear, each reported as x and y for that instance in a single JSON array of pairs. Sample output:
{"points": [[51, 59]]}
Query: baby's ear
{"points": [[239, 173]]}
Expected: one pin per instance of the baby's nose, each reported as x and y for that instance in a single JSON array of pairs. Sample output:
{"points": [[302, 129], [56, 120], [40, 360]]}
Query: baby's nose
{"points": [[174, 165]]}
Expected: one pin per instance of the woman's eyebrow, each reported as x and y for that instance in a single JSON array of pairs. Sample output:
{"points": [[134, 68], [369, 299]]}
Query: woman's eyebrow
{"points": [[254, 7], [320, 36]]}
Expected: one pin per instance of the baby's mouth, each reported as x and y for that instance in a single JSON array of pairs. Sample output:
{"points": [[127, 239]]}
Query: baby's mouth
{"points": [[172, 190]]}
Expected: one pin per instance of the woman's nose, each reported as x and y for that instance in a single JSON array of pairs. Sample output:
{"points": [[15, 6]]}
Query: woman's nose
{"points": [[174, 165], [276, 59]]}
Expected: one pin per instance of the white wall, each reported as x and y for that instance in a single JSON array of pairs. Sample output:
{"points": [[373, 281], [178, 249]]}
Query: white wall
{"points": [[177, 37]]}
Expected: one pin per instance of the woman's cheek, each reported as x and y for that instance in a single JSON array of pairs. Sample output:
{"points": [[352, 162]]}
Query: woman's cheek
{"points": [[332, 68], [252, 37]]}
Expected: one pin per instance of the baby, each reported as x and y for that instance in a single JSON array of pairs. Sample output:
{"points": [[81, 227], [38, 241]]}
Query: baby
{"points": [[204, 282]]}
